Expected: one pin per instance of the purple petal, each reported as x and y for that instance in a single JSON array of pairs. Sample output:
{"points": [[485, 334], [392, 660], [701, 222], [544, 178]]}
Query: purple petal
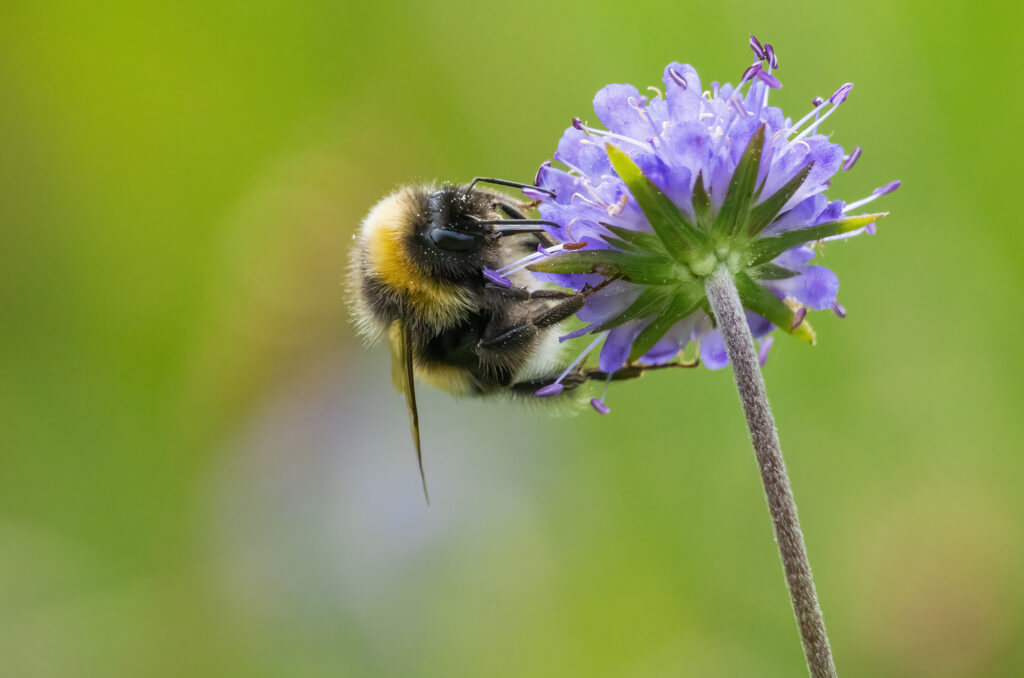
{"points": [[674, 341], [816, 287], [617, 346], [614, 105], [766, 345], [684, 102], [712, 351]]}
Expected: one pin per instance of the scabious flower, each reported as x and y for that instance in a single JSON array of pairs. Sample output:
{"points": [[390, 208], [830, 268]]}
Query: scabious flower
{"points": [[684, 181]]}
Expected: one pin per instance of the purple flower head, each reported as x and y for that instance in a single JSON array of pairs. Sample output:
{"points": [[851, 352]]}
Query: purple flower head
{"points": [[680, 184]]}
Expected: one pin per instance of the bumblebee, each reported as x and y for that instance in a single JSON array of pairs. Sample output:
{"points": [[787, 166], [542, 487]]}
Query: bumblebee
{"points": [[421, 277]]}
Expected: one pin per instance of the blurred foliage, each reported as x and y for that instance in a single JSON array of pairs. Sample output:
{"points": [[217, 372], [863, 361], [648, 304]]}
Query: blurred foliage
{"points": [[204, 473]]}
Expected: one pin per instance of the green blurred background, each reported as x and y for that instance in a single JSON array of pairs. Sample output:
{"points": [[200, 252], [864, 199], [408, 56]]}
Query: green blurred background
{"points": [[203, 473]]}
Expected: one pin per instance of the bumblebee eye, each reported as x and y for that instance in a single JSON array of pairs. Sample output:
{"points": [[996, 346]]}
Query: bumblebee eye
{"points": [[452, 241]]}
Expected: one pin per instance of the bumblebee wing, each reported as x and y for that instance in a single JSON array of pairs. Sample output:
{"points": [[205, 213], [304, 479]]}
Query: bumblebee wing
{"points": [[402, 378]]}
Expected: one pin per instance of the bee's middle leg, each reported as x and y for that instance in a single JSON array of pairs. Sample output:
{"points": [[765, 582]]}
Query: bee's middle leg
{"points": [[525, 331]]}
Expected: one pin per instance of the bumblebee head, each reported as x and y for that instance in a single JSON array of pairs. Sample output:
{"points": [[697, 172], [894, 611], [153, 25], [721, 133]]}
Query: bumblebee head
{"points": [[422, 250], [453, 235]]}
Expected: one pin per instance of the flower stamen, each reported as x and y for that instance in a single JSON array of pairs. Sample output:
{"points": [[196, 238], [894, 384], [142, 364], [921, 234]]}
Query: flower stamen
{"points": [[598, 404], [556, 387], [875, 195], [851, 160]]}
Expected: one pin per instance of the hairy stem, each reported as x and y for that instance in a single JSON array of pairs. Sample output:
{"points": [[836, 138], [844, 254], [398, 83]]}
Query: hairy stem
{"points": [[732, 322]]}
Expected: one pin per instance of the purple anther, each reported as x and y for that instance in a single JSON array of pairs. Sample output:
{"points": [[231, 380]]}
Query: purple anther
{"points": [[839, 309], [768, 79], [852, 160], [496, 278], [577, 123], [839, 96], [769, 54], [599, 406], [755, 45], [888, 188], [798, 317], [766, 345], [817, 101], [750, 72], [540, 170], [549, 390], [677, 77]]}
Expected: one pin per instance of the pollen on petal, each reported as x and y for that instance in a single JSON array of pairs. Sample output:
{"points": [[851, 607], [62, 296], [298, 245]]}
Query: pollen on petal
{"points": [[549, 390]]}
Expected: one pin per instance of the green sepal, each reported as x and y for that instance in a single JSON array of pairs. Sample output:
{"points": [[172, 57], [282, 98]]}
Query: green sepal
{"points": [[766, 249], [701, 203], [620, 244], [771, 271], [652, 300], [638, 240], [740, 195], [669, 224], [686, 300], [765, 212], [636, 268], [761, 301]]}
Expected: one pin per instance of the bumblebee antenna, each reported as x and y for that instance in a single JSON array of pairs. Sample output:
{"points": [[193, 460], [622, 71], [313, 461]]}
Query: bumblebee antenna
{"points": [[506, 182], [513, 226]]}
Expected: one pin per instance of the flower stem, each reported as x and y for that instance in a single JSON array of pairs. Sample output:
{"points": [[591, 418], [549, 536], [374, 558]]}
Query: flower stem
{"points": [[732, 323]]}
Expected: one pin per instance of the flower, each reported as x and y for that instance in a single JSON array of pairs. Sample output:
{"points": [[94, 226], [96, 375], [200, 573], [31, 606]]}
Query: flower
{"points": [[680, 183]]}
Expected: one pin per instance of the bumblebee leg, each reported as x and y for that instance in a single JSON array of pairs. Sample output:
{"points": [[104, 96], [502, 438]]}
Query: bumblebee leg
{"points": [[571, 381], [523, 294], [635, 370], [580, 377], [525, 331]]}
